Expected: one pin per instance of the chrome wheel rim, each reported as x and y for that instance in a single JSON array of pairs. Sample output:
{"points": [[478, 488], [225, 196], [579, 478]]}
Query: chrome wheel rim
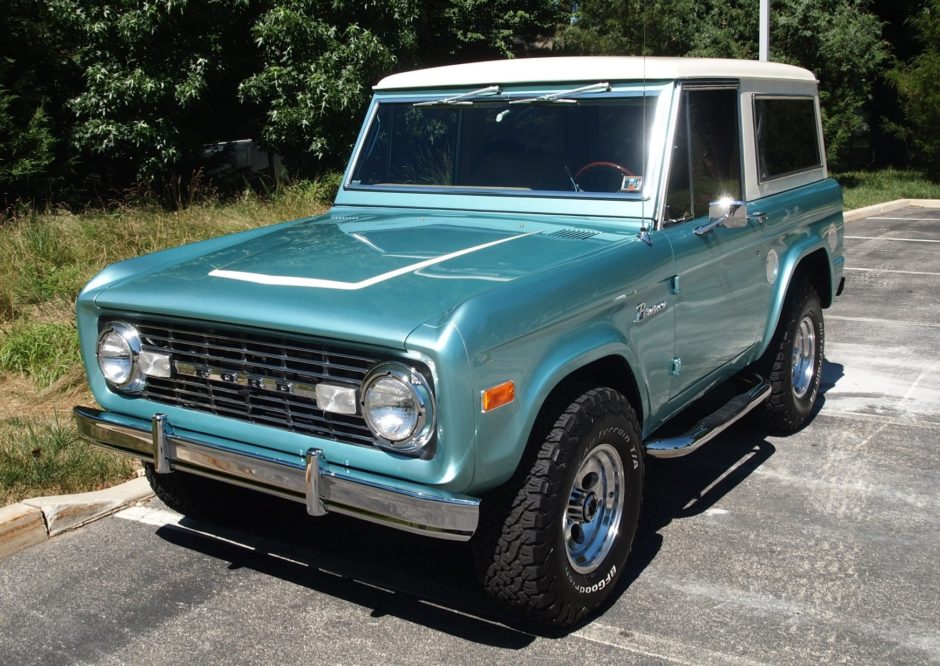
{"points": [[804, 357], [595, 507]]}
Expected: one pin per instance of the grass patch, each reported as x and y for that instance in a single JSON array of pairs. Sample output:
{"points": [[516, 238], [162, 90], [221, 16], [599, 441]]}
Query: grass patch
{"points": [[866, 188], [49, 257], [45, 457], [45, 260], [43, 351]]}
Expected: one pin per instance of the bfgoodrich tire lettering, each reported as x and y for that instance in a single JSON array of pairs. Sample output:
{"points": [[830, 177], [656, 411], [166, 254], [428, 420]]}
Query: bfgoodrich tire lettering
{"points": [[588, 468], [793, 362]]}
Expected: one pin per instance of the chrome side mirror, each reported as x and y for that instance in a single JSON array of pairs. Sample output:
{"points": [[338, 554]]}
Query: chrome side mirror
{"points": [[734, 213], [725, 212]]}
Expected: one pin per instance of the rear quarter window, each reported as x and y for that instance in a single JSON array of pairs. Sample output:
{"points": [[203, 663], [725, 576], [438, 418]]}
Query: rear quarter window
{"points": [[787, 136]]}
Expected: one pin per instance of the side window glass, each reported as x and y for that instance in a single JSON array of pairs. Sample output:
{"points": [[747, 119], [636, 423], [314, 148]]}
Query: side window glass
{"points": [[714, 147], [787, 136], [706, 159], [679, 187]]}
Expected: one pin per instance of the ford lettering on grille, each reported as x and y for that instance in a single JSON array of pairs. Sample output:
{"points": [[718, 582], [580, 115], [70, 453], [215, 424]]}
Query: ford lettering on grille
{"points": [[259, 382], [255, 376]]}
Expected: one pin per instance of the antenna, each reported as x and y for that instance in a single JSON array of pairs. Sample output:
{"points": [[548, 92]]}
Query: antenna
{"points": [[644, 227]]}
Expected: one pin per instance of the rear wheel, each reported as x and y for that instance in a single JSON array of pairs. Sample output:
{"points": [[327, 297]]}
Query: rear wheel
{"points": [[793, 362], [554, 541]]}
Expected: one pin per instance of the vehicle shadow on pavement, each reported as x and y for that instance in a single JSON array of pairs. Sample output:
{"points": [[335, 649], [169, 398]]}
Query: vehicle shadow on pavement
{"points": [[688, 486], [829, 377], [430, 582]]}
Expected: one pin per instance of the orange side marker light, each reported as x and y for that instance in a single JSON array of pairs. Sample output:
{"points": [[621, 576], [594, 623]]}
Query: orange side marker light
{"points": [[499, 395]]}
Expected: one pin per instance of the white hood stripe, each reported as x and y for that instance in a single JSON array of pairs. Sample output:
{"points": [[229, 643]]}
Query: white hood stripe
{"points": [[317, 283]]}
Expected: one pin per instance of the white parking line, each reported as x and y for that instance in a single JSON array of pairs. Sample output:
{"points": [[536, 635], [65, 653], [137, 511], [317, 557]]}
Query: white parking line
{"points": [[889, 270], [874, 320], [148, 516], [901, 240], [657, 647], [164, 518], [907, 219], [912, 423]]}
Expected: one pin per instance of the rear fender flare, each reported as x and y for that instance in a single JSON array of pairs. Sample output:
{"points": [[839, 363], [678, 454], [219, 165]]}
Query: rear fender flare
{"points": [[796, 257]]}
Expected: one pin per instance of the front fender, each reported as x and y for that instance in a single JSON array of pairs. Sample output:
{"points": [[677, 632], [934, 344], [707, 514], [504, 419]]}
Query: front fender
{"points": [[504, 432]]}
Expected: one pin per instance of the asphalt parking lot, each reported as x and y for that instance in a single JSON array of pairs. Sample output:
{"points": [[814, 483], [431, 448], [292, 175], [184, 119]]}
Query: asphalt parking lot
{"points": [[816, 548]]}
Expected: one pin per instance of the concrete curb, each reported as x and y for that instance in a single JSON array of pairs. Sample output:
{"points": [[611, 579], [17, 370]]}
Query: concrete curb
{"points": [[34, 520], [887, 207]]}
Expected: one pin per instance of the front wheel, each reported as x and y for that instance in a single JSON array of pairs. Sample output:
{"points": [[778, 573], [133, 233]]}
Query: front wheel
{"points": [[793, 362], [554, 541], [198, 497]]}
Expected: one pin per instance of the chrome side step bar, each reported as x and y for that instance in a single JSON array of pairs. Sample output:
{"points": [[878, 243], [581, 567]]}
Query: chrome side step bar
{"points": [[712, 425]]}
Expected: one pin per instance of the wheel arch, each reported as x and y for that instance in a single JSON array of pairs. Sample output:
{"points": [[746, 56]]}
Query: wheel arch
{"points": [[612, 370], [811, 261], [561, 377]]}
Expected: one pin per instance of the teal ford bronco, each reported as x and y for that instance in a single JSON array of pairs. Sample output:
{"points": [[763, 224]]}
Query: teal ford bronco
{"points": [[530, 269]]}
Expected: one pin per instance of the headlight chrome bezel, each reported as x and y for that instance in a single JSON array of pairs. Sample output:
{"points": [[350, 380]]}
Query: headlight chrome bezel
{"points": [[423, 431], [135, 381]]}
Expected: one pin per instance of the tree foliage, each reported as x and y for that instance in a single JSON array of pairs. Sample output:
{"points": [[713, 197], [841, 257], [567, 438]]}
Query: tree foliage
{"points": [[37, 76], [838, 40], [631, 27], [96, 95], [917, 82], [320, 58], [154, 73]]}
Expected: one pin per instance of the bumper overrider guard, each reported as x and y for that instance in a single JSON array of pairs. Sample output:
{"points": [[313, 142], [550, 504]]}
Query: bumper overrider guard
{"points": [[321, 486]]}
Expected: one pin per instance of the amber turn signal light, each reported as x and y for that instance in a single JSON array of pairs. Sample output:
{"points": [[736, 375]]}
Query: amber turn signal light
{"points": [[499, 395]]}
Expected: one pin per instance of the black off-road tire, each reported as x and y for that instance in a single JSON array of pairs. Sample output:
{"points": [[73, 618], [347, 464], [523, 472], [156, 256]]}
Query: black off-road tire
{"points": [[521, 546], [790, 406], [198, 497]]}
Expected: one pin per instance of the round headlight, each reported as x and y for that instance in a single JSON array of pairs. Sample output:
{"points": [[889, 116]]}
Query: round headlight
{"points": [[118, 347], [398, 407]]}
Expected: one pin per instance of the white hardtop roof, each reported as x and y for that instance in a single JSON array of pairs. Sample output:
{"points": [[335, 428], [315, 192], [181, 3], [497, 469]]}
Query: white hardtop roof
{"points": [[591, 69]]}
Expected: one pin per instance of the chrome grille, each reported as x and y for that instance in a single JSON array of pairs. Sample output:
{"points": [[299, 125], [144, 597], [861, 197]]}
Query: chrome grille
{"points": [[251, 376]]}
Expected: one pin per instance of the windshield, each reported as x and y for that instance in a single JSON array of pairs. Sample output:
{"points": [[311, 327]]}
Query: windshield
{"points": [[584, 147]]}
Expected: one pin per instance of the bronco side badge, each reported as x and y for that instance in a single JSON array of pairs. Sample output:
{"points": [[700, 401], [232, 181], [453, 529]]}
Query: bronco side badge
{"points": [[645, 312]]}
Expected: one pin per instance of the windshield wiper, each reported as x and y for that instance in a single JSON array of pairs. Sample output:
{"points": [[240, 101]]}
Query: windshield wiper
{"points": [[465, 98], [561, 97]]}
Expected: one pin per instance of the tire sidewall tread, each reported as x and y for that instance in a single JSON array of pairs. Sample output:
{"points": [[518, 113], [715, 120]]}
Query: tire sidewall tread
{"points": [[520, 545], [783, 411]]}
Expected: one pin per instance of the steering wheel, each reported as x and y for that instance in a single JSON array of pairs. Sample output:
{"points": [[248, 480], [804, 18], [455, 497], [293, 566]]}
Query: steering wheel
{"points": [[607, 165]]}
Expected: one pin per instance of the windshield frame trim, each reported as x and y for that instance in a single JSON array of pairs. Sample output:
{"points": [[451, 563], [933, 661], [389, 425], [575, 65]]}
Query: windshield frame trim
{"points": [[357, 194]]}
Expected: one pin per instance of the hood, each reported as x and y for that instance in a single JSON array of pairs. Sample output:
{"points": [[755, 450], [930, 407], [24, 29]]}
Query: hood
{"points": [[370, 277]]}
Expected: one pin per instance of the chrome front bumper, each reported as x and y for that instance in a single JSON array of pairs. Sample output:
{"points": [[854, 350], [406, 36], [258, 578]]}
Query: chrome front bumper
{"points": [[321, 486]]}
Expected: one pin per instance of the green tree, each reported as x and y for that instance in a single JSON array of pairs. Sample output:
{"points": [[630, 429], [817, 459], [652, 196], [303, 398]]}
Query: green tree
{"points": [[321, 57], [630, 27], [838, 40], [27, 149], [160, 81], [452, 31], [37, 77], [916, 82]]}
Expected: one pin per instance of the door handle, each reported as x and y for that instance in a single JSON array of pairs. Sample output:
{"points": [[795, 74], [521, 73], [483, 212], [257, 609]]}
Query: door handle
{"points": [[757, 216]]}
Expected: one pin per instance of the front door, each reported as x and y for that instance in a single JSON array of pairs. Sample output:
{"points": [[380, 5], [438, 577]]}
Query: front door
{"points": [[722, 297]]}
